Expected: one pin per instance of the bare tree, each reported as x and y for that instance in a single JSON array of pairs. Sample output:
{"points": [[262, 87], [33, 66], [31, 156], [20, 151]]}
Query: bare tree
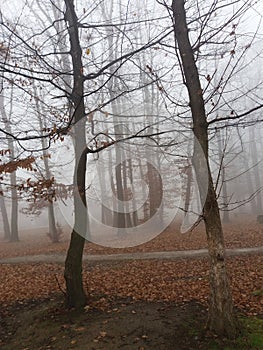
{"points": [[221, 317], [206, 100]]}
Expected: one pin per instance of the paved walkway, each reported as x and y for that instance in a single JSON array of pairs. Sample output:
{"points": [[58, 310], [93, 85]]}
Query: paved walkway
{"points": [[60, 258]]}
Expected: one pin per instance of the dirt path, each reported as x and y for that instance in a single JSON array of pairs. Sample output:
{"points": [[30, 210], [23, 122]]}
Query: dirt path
{"points": [[60, 258], [124, 325]]}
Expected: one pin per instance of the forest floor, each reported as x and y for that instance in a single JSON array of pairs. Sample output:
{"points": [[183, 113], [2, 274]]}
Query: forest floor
{"points": [[138, 304]]}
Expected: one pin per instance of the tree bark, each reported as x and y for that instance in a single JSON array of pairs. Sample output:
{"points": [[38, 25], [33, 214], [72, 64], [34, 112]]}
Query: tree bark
{"points": [[53, 232], [4, 216], [221, 317], [119, 216], [222, 170], [254, 157], [189, 179], [73, 265], [14, 212], [134, 210], [10, 142], [250, 185]]}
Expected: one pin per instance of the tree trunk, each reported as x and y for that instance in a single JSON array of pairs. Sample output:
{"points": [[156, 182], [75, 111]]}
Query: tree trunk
{"points": [[4, 216], [126, 189], [222, 170], [52, 224], [10, 143], [250, 185], [119, 216], [14, 210], [134, 210], [255, 160], [53, 232], [189, 179], [106, 213], [221, 318], [73, 265], [146, 204], [75, 295]]}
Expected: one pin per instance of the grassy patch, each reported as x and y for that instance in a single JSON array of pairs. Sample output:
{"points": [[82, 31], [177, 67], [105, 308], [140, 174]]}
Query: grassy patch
{"points": [[251, 337]]}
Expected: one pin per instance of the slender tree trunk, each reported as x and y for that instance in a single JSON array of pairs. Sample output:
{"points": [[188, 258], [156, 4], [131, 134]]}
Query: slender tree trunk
{"points": [[53, 233], [51, 213], [73, 265], [254, 157], [134, 210], [189, 178], [226, 216], [221, 153], [106, 214], [151, 157], [7, 232], [52, 224], [120, 221], [119, 216], [14, 209], [221, 318], [126, 189], [146, 204], [250, 185]]}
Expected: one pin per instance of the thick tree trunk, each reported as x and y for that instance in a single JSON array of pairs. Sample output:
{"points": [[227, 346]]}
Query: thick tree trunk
{"points": [[75, 295], [221, 318], [73, 265]]}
